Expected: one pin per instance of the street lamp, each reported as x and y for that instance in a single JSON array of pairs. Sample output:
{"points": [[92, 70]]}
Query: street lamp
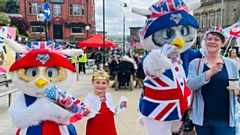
{"points": [[87, 28], [123, 5], [221, 13], [40, 18], [198, 42]]}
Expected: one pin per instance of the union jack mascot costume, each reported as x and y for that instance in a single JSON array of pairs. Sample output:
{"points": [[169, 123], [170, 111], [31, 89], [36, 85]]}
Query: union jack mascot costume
{"points": [[41, 64], [169, 32]]}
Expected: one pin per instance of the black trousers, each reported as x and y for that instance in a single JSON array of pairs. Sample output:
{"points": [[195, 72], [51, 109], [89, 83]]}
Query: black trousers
{"points": [[82, 67]]}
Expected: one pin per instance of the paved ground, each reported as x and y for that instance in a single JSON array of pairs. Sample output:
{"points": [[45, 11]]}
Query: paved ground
{"points": [[126, 123]]}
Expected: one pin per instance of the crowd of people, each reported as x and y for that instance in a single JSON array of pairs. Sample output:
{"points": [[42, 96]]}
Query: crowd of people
{"points": [[207, 76]]}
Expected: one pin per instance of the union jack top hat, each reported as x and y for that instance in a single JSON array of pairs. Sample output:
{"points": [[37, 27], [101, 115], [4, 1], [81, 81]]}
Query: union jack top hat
{"points": [[216, 29], [167, 13], [43, 54]]}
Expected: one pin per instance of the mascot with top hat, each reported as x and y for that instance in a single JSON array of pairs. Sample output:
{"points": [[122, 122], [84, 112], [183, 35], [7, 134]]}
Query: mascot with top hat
{"points": [[40, 65], [169, 32]]}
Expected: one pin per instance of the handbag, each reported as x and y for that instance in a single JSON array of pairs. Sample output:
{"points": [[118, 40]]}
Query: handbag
{"points": [[187, 127]]}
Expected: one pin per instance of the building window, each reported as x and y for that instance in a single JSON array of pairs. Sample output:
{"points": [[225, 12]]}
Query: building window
{"points": [[83, 10], [77, 30], [36, 8], [29, 8], [76, 10], [57, 10], [70, 10], [204, 21], [37, 29], [211, 22]]}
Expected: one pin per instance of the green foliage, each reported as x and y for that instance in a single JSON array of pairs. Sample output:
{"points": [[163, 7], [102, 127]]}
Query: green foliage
{"points": [[138, 50], [21, 23], [4, 19], [27, 34], [3, 5]]}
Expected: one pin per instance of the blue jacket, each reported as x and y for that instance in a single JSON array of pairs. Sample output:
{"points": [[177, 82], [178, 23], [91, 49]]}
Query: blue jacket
{"points": [[195, 81]]}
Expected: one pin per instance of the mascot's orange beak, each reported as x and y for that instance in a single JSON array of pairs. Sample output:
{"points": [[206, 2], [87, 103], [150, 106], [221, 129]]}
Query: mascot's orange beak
{"points": [[179, 43], [41, 83]]}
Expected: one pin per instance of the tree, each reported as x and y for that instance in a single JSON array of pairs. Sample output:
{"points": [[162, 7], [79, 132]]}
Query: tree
{"points": [[21, 23], [4, 19], [3, 5]]}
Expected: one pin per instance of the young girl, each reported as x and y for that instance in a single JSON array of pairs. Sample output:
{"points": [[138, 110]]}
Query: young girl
{"points": [[100, 121]]}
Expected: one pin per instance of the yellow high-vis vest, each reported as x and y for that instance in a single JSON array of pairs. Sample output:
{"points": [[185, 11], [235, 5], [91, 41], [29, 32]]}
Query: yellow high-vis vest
{"points": [[73, 60], [83, 59]]}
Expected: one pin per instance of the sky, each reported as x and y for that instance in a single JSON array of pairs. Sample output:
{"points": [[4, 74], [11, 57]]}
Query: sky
{"points": [[114, 16]]}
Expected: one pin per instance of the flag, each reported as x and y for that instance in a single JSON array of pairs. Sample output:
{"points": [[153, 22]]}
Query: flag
{"points": [[132, 43], [233, 32]]}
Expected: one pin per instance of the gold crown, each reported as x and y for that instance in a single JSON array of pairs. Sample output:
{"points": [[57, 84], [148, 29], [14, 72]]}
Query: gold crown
{"points": [[101, 75]]}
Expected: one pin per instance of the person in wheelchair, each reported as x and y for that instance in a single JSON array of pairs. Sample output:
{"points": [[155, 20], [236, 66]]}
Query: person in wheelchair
{"points": [[126, 69]]}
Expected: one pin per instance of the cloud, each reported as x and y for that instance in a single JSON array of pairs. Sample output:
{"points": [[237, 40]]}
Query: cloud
{"points": [[114, 15]]}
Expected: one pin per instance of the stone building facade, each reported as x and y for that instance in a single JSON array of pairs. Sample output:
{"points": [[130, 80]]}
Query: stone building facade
{"points": [[209, 14]]}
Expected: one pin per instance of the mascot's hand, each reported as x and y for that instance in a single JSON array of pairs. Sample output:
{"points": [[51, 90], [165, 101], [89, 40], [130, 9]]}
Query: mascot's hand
{"points": [[41, 110], [47, 110], [156, 63]]}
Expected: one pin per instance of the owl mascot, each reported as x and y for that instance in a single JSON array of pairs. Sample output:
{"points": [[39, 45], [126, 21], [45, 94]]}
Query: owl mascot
{"points": [[40, 64], [169, 32]]}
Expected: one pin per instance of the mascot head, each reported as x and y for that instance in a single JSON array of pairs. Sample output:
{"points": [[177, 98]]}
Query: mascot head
{"points": [[169, 22], [40, 64]]}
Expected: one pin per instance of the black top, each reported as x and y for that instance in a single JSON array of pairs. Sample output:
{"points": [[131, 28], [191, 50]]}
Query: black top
{"points": [[140, 72], [113, 67], [98, 57], [216, 96], [126, 66]]}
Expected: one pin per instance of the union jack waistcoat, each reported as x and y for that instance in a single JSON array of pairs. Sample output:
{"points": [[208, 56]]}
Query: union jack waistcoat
{"points": [[166, 97]]}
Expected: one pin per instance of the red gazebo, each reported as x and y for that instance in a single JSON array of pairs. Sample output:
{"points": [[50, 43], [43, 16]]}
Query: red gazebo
{"points": [[95, 42]]}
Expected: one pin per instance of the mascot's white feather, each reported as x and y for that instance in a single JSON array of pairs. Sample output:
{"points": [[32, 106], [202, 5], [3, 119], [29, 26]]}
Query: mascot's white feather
{"points": [[32, 80], [169, 24]]}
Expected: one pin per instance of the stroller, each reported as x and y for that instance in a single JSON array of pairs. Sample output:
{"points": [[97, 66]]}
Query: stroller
{"points": [[124, 79]]}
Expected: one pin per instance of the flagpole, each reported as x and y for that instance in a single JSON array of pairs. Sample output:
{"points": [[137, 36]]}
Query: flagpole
{"points": [[229, 42]]}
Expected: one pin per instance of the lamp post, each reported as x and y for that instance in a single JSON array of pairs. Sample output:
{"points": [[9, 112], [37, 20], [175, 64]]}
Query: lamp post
{"points": [[40, 18], [104, 44], [198, 39], [123, 5], [221, 13], [87, 28]]}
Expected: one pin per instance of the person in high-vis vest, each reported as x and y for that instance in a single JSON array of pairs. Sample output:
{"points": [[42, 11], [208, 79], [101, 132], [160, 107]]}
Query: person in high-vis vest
{"points": [[82, 61], [73, 60]]}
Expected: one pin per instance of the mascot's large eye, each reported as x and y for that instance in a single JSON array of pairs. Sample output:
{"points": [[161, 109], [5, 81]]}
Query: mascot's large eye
{"points": [[168, 34], [164, 36], [52, 72], [31, 72], [55, 74], [184, 31]]}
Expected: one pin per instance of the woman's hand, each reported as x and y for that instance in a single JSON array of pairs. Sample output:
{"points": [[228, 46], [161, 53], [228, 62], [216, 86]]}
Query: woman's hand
{"points": [[217, 67]]}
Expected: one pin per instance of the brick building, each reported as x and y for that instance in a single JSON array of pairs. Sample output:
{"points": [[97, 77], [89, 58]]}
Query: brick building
{"points": [[69, 22]]}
